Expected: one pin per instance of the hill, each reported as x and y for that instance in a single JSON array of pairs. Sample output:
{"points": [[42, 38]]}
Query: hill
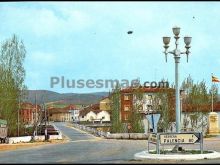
{"points": [[45, 96]]}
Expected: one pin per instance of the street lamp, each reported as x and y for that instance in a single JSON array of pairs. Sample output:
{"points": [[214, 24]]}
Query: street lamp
{"points": [[176, 53]]}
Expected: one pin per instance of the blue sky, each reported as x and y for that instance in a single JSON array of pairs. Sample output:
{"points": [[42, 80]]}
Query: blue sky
{"points": [[89, 40]]}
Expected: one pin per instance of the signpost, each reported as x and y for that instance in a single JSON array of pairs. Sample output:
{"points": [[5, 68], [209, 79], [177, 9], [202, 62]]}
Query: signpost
{"points": [[175, 139], [179, 138]]}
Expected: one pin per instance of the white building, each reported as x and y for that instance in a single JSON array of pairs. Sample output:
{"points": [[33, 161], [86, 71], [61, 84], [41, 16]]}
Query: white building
{"points": [[94, 115], [74, 115]]}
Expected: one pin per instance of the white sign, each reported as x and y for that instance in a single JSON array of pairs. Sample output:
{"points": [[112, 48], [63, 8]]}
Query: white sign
{"points": [[178, 138]]}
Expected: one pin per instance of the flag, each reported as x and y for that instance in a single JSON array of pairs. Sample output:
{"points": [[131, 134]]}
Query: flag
{"points": [[215, 79]]}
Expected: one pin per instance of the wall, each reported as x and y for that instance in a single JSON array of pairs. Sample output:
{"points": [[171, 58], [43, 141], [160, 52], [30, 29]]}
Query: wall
{"points": [[90, 115], [105, 104], [108, 135], [60, 117], [13, 140], [105, 114]]}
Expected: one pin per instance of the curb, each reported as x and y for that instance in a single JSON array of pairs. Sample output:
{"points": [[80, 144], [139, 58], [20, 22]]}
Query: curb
{"points": [[145, 155]]}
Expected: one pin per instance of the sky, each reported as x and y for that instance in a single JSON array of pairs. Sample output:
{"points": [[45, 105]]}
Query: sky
{"points": [[89, 40]]}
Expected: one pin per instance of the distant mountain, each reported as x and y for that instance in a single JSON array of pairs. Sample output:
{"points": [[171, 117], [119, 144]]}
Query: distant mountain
{"points": [[45, 96]]}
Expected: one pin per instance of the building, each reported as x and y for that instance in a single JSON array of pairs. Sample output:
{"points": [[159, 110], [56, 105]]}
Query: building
{"points": [[93, 114], [59, 114], [104, 104], [29, 113], [146, 105], [74, 110]]}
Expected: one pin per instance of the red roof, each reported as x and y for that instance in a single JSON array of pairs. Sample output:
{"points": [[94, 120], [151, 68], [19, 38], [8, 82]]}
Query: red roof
{"points": [[61, 110], [216, 107], [94, 108], [27, 105], [144, 89]]}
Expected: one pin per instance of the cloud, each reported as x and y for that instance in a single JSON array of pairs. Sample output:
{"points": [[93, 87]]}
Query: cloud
{"points": [[44, 22], [44, 58]]}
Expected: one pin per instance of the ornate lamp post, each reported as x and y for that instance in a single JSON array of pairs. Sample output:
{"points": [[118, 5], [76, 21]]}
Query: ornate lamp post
{"points": [[176, 53]]}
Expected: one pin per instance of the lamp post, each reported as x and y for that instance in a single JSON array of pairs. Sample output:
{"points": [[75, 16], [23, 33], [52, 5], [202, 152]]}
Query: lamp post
{"points": [[176, 53]]}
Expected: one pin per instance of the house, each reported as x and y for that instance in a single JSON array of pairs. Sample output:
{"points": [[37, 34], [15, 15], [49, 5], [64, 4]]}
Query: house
{"points": [[93, 114], [61, 114], [128, 100], [29, 113], [104, 104], [74, 109]]}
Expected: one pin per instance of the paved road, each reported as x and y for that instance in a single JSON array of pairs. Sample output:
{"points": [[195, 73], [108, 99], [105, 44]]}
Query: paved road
{"points": [[85, 148]]}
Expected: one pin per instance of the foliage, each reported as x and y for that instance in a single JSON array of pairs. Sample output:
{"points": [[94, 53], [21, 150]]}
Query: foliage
{"points": [[135, 118], [117, 126], [163, 102], [12, 56], [197, 103]]}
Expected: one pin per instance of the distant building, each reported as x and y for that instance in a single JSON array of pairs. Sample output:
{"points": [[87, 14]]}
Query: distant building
{"points": [[74, 110], [104, 104], [62, 114], [93, 113], [29, 113], [129, 100]]}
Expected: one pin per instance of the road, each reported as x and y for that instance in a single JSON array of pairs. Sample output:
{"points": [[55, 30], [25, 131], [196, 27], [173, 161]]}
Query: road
{"points": [[86, 148]]}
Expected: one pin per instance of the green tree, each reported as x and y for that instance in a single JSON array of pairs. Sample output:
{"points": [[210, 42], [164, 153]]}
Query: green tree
{"points": [[163, 102], [197, 103], [12, 57], [115, 96], [135, 118]]}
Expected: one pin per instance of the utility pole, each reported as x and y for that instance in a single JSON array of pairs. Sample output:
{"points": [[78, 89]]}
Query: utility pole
{"points": [[19, 102], [36, 113], [45, 117]]}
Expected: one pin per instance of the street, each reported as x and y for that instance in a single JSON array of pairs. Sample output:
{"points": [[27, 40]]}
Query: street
{"points": [[86, 148]]}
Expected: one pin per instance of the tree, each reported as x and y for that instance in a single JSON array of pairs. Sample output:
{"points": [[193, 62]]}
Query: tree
{"points": [[117, 126], [163, 102], [197, 103], [12, 57], [135, 118]]}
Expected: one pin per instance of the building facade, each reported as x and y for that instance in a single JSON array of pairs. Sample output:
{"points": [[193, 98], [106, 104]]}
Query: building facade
{"points": [[29, 113], [93, 113], [104, 104], [130, 101]]}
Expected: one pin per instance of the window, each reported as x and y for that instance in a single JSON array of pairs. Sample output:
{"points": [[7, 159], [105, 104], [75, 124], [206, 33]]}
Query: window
{"points": [[149, 107], [126, 97], [126, 108], [103, 117], [126, 117]]}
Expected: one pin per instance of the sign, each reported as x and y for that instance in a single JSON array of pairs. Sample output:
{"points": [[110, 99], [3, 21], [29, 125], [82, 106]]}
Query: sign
{"points": [[179, 138], [160, 139], [153, 119], [152, 138]]}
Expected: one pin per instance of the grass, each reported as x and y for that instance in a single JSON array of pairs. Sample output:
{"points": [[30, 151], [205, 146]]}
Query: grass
{"points": [[181, 152], [210, 136]]}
